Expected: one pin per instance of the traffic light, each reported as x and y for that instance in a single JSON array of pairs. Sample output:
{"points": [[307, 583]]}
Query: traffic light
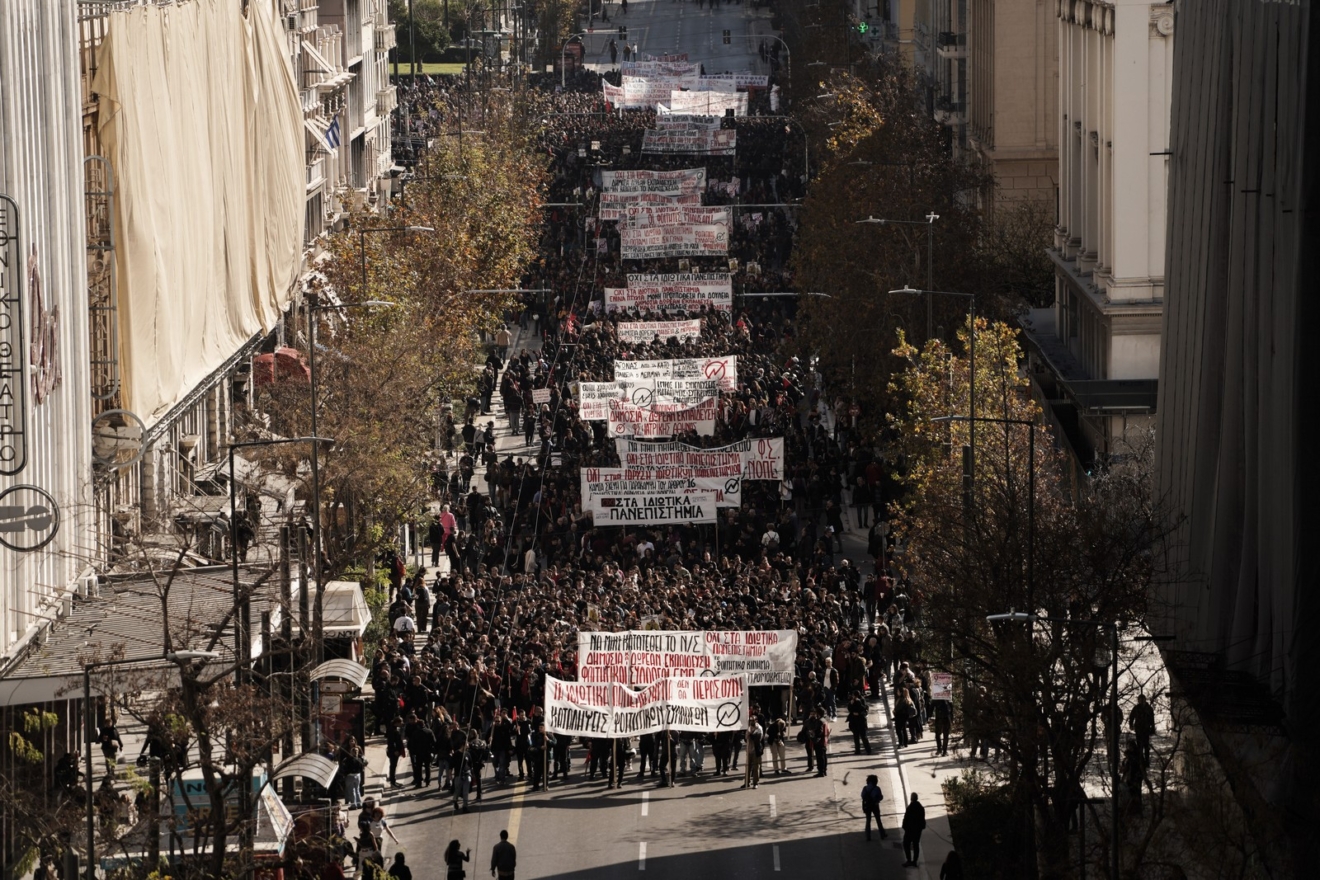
{"points": [[728, 37]]}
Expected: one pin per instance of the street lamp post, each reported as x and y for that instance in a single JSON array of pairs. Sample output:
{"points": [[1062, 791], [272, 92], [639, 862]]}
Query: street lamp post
{"points": [[89, 732], [1031, 488], [929, 223], [242, 639]]}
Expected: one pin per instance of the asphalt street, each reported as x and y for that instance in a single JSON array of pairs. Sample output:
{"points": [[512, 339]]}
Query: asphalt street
{"points": [[659, 27], [706, 828]]}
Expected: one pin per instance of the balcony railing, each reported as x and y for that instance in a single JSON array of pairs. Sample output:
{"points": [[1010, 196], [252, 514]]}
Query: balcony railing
{"points": [[385, 38], [386, 101], [951, 45], [949, 112]]}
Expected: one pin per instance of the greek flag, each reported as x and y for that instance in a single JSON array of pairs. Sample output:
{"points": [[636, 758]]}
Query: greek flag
{"points": [[332, 134]]}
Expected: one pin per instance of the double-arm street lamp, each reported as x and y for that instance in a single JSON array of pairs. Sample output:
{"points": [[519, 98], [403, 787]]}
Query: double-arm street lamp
{"points": [[929, 223], [89, 731]]}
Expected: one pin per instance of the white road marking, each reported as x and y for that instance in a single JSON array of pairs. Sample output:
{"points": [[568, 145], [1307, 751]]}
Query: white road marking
{"points": [[774, 811], [775, 850], [641, 856], [646, 802]]}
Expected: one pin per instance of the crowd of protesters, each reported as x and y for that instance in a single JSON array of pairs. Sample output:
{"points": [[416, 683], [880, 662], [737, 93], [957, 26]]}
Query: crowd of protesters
{"points": [[459, 683]]}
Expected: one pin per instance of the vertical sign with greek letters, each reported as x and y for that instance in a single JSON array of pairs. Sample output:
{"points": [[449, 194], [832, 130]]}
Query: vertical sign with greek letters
{"points": [[13, 351]]}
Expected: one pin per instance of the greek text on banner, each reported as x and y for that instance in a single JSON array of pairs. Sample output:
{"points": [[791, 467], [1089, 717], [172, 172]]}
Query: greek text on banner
{"points": [[612, 711]]}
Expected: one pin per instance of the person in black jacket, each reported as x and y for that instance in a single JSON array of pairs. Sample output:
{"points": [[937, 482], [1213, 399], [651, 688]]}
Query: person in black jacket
{"points": [[914, 822], [421, 743], [394, 747], [857, 710]]}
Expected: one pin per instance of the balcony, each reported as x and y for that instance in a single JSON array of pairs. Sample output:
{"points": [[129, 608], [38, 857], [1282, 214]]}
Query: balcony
{"points": [[949, 112], [386, 101], [385, 38], [951, 45], [315, 173]]}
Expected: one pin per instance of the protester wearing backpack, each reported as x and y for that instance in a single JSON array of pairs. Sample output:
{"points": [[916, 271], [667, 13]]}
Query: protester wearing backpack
{"points": [[871, 798]]}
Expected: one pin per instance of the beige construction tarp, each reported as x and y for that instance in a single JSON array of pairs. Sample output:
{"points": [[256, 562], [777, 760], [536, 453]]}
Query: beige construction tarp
{"points": [[200, 118]]}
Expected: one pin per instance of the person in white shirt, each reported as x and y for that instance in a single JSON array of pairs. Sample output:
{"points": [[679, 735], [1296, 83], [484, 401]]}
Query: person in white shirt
{"points": [[770, 539], [644, 545], [405, 624]]}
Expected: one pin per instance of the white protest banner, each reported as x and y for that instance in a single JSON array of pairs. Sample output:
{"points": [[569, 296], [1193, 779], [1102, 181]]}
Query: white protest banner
{"points": [[594, 397], [603, 482], [647, 91], [765, 657], [629, 420], [941, 685], [697, 141], [613, 711], [622, 510], [640, 657], [635, 657], [670, 56], [707, 103], [658, 68], [613, 94], [683, 181], [647, 331], [639, 216], [657, 242], [576, 708], [615, 205], [741, 80], [689, 292], [656, 481], [675, 392], [753, 459], [685, 121], [540, 395], [722, 369], [763, 458]]}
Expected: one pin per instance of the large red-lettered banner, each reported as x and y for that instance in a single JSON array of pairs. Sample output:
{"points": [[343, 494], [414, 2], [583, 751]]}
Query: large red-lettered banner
{"points": [[639, 657], [611, 711], [627, 419]]}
